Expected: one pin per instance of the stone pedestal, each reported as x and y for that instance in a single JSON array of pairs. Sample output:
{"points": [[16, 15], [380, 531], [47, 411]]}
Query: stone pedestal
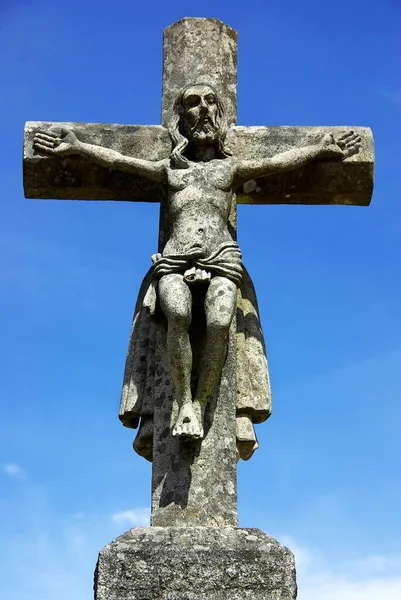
{"points": [[195, 563]]}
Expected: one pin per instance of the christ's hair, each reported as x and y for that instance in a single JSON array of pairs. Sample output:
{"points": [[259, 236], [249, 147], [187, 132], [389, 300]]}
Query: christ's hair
{"points": [[180, 142]]}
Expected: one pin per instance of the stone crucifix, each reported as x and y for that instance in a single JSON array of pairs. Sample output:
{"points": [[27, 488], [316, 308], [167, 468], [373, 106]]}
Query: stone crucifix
{"points": [[196, 378]]}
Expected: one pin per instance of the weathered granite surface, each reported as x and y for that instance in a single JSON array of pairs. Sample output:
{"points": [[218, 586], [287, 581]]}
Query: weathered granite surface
{"points": [[200, 50], [195, 564], [76, 178]]}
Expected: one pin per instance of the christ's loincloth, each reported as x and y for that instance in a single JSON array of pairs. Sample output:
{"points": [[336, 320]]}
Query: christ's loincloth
{"points": [[224, 261], [148, 339]]}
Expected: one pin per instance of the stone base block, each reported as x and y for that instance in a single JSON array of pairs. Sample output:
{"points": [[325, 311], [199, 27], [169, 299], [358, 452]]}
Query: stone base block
{"points": [[195, 563]]}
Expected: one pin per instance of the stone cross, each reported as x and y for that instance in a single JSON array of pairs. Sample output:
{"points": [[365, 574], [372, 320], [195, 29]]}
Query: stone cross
{"points": [[194, 482]]}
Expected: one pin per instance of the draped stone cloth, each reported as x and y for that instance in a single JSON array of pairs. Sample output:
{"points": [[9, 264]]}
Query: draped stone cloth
{"points": [[141, 385], [224, 261]]}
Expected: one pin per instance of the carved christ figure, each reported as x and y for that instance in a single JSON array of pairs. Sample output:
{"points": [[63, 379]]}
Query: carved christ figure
{"points": [[201, 175]]}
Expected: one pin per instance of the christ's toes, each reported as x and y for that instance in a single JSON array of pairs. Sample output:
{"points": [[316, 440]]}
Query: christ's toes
{"points": [[188, 429]]}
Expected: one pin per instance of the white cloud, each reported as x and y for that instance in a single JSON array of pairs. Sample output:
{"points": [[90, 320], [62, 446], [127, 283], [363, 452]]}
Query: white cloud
{"points": [[45, 554], [135, 518], [53, 559], [376, 577], [332, 588], [13, 469]]}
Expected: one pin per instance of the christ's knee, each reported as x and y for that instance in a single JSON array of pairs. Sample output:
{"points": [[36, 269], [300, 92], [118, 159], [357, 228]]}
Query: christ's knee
{"points": [[219, 325], [220, 305], [179, 317], [175, 301], [219, 317]]}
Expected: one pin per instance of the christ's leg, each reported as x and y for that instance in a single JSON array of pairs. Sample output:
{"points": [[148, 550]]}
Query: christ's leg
{"points": [[176, 302], [220, 305]]}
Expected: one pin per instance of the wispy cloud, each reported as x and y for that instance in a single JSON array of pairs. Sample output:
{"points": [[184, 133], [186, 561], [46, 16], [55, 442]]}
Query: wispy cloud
{"points": [[329, 587], [366, 578], [378, 564], [13, 470], [135, 518], [55, 555]]}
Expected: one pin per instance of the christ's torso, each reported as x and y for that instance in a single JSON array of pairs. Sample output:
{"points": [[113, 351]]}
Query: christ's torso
{"points": [[199, 202]]}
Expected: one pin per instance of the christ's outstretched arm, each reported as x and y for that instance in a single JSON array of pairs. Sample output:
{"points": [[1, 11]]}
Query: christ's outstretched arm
{"points": [[329, 147], [62, 142]]}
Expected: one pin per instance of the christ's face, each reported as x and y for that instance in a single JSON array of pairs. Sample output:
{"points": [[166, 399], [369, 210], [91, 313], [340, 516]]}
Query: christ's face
{"points": [[200, 114]]}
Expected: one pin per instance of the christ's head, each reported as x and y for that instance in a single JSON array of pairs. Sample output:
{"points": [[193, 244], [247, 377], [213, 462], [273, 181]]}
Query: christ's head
{"points": [[199, 114], [198, 120]]}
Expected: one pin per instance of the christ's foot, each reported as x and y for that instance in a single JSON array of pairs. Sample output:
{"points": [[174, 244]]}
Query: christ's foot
{"points": [[188, 426]]}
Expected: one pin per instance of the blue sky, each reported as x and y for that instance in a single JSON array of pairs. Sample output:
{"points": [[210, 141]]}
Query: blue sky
{"points": [[326, 478]]}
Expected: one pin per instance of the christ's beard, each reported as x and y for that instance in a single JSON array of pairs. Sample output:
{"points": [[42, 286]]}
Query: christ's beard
{"points": [[204, 130]]}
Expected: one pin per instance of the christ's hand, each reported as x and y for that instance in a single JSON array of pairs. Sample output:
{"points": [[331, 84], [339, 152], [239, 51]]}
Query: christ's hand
{"points": [[342, 147], [59, 141]]}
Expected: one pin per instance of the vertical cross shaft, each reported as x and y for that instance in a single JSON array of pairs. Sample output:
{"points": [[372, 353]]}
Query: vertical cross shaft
{"points": [[194, 484], [200, 50]]}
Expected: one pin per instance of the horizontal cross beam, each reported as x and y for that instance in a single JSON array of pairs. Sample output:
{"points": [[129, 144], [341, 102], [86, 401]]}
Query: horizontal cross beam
{"points": [[75, 178]]}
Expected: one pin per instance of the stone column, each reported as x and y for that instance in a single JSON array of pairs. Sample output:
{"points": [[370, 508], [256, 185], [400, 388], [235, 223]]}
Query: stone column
{"points": [[195, 484]]}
